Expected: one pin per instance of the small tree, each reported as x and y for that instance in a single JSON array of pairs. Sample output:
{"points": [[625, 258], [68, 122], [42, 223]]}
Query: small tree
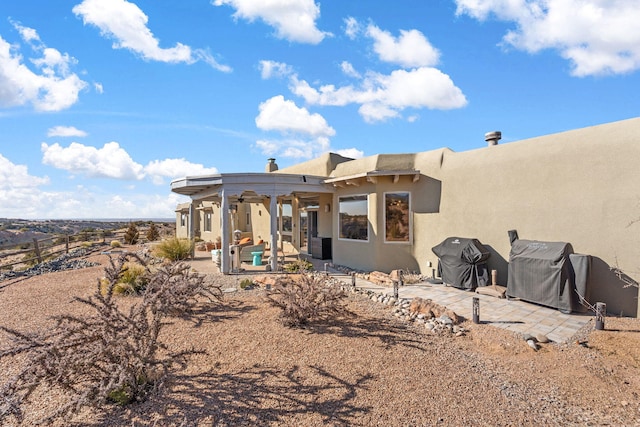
{"points": [[153, 233], [110, 356], [131, 235]]}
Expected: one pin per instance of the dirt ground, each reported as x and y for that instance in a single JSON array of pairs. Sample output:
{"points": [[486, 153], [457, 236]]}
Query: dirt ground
{"points": [[365, 369]]}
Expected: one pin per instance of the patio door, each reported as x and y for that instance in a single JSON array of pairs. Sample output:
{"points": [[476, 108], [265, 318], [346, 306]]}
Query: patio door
{"points": [[311, 227]]}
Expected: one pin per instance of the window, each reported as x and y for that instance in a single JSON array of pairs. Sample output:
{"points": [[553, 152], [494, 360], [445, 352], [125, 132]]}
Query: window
{"points": [[286, 218], [207, 221], [397, 222], [354, 221], [183, 220], [286, 221]]}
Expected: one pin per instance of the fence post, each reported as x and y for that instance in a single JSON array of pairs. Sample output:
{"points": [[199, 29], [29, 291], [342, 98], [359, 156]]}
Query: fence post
{"points": [[66, 243], [37, 250]]}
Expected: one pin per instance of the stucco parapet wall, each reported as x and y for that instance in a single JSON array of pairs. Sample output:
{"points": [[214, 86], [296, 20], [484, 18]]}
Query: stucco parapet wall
{"points": [[183, 207], [320, 166], [378, 162]]}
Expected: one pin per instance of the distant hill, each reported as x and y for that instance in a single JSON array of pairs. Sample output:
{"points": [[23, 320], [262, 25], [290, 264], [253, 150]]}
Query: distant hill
{"points": [[18, 231]]}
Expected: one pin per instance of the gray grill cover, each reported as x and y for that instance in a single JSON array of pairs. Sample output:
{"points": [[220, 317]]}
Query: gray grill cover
{"points": [[462, 262], [541, 272]]}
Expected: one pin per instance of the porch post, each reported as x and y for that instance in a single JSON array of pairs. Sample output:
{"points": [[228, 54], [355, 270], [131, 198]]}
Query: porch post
{"points": [[273, 211], [192, 230], [224, 238]]}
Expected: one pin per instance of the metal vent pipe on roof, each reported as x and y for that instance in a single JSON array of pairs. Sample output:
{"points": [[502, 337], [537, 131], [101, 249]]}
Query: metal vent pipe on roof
{"points": [[492, 138]]}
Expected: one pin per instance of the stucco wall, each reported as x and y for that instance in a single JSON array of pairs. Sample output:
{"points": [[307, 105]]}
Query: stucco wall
{"points": [[581, 187]]}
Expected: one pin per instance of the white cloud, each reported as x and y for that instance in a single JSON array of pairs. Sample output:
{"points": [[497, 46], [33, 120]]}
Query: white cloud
{"points": [[66, 131], [284, 116], [21, 196], [384, 96], [410, 49], [352, 27], [597, 37], [347, 68], [126, 24], [110, 161], [269, 69], [305, 134], [19, 191], [54, 88], [352, 153], [17, 176], [294, 148], [293, 20], [98, 87], [157, 170]]}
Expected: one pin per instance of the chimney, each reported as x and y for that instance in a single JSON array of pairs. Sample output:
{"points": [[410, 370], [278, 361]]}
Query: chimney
{"points": [[271, 166], [492, 138]]}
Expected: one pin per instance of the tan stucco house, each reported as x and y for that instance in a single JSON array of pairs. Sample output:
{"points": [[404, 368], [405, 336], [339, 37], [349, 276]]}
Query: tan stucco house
{"points": [[388, 211]]}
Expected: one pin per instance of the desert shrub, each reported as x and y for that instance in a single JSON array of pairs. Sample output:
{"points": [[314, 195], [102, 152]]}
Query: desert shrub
{"points": [[298, 266], [132, 234], [30, 258], [306, 298], [174, 249], [109, 355], [411, 277], [246, 284], [153, 233], [131, 280], [115, 244]]}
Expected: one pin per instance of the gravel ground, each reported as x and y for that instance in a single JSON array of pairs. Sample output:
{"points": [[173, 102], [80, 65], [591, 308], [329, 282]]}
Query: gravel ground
{"points": [[367, 369]]}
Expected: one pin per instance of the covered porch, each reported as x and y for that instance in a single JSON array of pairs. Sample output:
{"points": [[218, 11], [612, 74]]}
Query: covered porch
{"points": [[281, 210]]}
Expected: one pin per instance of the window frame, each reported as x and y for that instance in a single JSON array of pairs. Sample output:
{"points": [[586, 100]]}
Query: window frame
{"points": [[363, 197], [409, 234]]}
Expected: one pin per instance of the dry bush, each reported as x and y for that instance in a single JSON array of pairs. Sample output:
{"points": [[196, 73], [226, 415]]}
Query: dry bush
{"points": [[109, 356], [306, 298]]}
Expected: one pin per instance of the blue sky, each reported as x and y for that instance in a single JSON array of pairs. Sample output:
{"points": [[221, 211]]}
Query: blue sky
{"points": [[104, 102]]}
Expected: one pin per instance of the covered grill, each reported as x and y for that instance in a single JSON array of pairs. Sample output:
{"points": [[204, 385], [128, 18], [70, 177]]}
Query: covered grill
{"points": [[548, 273], [462, 262]]}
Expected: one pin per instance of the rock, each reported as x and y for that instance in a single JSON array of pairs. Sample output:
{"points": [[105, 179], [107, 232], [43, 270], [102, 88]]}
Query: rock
{"points": [[445, 320], [429, 326], [542, 338], [528, 337], [532, 344]]}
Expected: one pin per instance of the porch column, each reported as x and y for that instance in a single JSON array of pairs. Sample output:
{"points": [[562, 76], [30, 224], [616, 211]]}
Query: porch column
{"points": [[192, 231], [225, 265], [273, 211]]}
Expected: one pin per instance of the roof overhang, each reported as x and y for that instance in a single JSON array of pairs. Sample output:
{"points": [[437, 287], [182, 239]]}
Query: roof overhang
{"points": [[256, 185], [372, 176]]}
